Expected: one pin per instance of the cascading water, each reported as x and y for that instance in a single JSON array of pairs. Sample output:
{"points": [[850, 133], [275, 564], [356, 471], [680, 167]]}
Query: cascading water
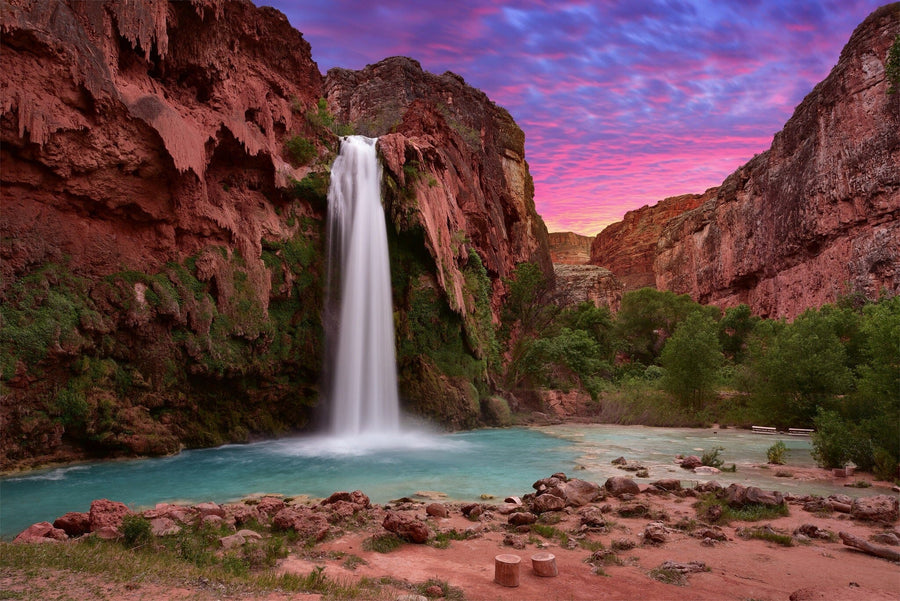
{"points": [[359, 313]]}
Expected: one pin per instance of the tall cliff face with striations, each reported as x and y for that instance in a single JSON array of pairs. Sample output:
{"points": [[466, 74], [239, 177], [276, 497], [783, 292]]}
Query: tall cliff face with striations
{"points": [[160, 274], [457, 184], [163, 187], [569, 248], [818, 214], [628, 247]]}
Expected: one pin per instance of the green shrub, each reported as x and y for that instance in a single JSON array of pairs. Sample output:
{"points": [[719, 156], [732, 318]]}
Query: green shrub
{"points": [[136, 530], [300, 150], [711, 457], [831, 441], [775, 453]]}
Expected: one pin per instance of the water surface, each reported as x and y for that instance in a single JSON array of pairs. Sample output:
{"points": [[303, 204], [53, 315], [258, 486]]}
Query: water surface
{"points": [[462, 465]]}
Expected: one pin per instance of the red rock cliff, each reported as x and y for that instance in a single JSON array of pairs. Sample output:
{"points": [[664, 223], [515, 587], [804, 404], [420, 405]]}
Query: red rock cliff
{"points": [[815, 216], [569, 248], [628, 247], [146, 219]]}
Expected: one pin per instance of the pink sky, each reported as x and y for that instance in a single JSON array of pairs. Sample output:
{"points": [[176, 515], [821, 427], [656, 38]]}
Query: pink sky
{"points": [[623, 103]]}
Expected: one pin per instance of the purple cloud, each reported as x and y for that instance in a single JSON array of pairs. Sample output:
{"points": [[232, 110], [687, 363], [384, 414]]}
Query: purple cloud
{"points": [[622, 102]]}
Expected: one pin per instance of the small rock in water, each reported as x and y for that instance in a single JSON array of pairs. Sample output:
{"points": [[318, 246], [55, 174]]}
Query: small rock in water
{"points": [[432, 494]]}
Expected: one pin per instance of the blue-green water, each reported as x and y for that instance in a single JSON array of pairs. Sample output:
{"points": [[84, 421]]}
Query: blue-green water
{"points": [[462, 465]]}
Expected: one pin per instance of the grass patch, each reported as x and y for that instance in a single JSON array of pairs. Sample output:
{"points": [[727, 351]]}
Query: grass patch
{"points": [[163, 565], [383, 543], [442, 540], [767, 534], [668, 576], [354, 561], [551, 533], [622, 544], [752, 512]]}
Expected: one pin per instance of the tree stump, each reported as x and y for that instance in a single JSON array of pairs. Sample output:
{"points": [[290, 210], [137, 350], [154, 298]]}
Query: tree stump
{"points": [[506, 569], [544, 564]]}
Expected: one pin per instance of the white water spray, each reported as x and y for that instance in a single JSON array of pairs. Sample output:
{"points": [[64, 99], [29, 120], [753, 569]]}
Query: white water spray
{"points": [[359, 313]]}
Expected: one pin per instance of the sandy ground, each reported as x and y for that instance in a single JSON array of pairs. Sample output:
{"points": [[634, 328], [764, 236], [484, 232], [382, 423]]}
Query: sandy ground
{"points": [[739, 569]]}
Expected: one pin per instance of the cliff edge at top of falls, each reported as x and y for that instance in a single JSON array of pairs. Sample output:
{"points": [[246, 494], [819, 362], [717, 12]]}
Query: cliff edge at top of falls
{"points": [[814, 217], [461, 159]]}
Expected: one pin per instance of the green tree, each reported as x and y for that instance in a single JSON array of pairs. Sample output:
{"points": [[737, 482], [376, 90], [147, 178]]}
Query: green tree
{"points": [[691, 358], [735, 329], [874, 409], [801, 369]]}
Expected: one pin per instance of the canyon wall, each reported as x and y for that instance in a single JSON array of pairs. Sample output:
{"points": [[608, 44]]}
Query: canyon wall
{"points": [[812, 218], [628, 247], [569, 248], [165, 166]]}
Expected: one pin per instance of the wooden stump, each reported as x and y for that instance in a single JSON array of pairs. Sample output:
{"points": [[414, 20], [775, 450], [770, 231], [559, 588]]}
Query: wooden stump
{"points": [[506, 569], [544, 564]]}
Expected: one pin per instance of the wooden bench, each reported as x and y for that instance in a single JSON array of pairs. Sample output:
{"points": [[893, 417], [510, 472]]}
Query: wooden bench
{"points": [[763, 430], [800, 431]]}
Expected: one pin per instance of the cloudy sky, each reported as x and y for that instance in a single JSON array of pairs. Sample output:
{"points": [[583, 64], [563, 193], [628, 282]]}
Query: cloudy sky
{"points": [[623, 102]]}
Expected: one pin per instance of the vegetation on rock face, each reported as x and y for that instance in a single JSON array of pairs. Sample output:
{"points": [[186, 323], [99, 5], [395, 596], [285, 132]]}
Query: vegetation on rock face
{"points": [[892, 66], [141, 363]]}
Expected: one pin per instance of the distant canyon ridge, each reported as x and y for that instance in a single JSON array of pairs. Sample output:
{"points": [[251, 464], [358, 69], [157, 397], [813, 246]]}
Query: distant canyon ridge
{"points": [[164, 171]]}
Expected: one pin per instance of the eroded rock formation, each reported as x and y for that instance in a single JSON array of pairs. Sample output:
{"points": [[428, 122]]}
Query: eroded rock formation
{"points": [[815, 216], [569, 248], [812, 218], [588, 283], [628, 247]]}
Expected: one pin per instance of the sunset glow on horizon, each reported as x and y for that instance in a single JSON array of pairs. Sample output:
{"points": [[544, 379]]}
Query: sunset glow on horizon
{"points": [[623, 103]]}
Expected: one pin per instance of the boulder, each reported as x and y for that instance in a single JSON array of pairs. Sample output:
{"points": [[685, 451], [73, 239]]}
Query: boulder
{"points": [[671, 484], [438, 510], [303, 521], [707, 470], [42, 532], [269, 506], [105, 513], [710, 486], [357, 498], [242, 513], [522, 518], [655, 533], [737, 496], [577, 492], [207, 509], [164, 527], [592, 517], [74, 523], [547, 502], [880, 508], [411, 529], [690, 462], [619, 485]]}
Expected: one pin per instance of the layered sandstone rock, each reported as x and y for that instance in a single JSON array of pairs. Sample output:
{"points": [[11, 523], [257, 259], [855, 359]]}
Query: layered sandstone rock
{"points": [[628, 247], [588, 283], [569, 248], [814, 217]]}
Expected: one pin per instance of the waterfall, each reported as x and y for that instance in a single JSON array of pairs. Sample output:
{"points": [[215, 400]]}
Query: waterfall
{"points": [[359, 316]]}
